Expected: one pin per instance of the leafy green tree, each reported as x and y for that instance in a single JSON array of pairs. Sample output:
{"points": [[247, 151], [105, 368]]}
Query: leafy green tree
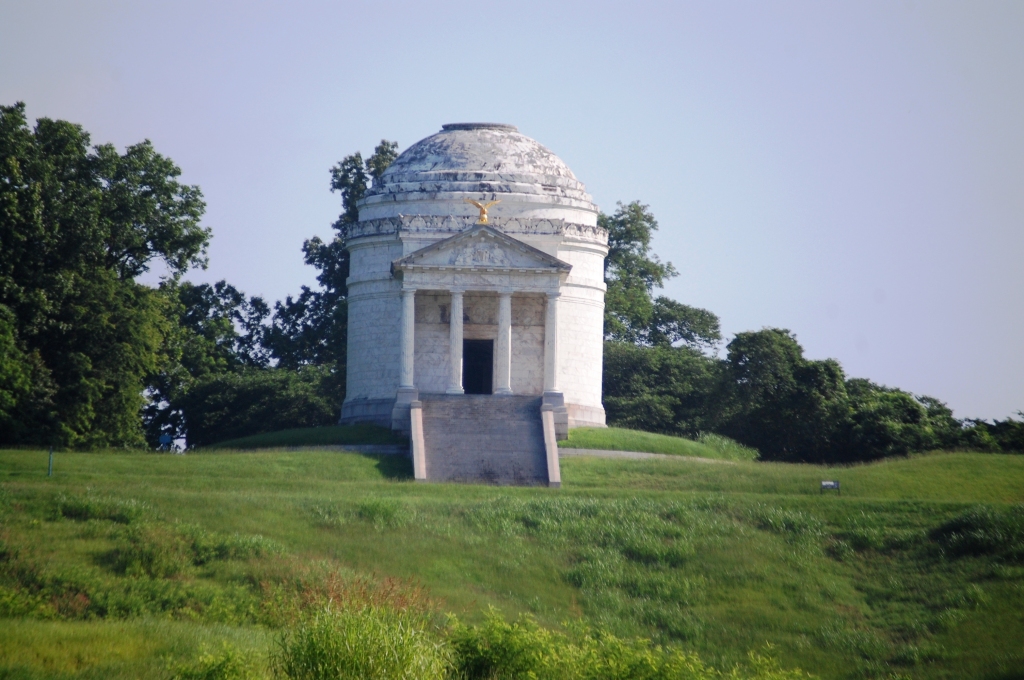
{"points": [[221, 335], [253, 401], [312, 329], [77, 225], [26, 393], [888, 422], [632, 272], [672, 390], [1007, 434], [785, 406], [216, 329]]}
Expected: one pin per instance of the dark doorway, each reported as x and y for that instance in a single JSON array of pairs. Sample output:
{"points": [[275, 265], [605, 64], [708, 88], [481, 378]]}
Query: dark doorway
{"points": [[477, 366]]}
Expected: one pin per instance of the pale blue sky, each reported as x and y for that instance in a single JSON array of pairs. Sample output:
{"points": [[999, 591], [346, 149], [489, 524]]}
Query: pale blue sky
{"points": [[852, 171]]}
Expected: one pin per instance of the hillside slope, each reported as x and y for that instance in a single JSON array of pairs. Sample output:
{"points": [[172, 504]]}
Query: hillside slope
{"points": [[718, 559]]}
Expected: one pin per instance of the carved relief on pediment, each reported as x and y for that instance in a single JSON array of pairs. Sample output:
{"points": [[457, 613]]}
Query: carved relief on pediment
{"points": [[481, 248], [479, 255]]}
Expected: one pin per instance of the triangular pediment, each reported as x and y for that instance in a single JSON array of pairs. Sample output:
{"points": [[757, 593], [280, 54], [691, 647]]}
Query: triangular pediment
{"points": [[481, 247]]}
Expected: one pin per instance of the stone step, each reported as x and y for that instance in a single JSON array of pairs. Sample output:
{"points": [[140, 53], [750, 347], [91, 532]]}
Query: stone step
{"points": [[494, 439]]}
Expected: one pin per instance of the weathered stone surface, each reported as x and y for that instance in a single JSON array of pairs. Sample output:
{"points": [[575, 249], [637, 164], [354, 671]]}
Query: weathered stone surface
{"points": [[481, 248], [470, 159], [484, 439], [542, 239]]}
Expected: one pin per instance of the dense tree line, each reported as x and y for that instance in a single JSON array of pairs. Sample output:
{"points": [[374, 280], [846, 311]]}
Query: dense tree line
{"points": [[89, 357], [662, 375]]}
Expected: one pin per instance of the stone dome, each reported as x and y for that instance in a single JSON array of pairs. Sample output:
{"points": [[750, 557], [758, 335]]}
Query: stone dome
{"points": [[484, 162]]}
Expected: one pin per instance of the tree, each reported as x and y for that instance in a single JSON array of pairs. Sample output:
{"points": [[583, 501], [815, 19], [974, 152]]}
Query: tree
{"points": [[216, 329], [888, 422], [672, 390], [26, 392], [787, 407], [312, 329], [1008, 434], [632, 272], [222, 338], [253, 401], [77, 225]]}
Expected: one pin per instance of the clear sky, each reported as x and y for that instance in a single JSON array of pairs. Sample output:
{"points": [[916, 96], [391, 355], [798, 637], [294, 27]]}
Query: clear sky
{"points": [[851, 171]]}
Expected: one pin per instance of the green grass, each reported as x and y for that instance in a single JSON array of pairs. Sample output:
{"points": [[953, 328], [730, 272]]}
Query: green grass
{"points": [[133, 565], [619, 439], [331, 435]]}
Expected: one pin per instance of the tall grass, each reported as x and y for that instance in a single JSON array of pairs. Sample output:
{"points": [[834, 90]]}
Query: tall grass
{"points": [[911, 572], [522, 649], [362, 644], [984, 530]]}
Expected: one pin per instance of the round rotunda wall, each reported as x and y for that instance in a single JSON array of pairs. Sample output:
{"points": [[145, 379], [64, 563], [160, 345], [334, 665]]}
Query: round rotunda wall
{"points": [[434, 176], [412, 262]]}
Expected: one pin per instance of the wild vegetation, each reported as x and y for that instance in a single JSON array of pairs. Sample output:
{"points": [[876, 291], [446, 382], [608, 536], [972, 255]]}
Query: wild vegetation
{"points": [[242, 563], [233, 564], [91, 358]]}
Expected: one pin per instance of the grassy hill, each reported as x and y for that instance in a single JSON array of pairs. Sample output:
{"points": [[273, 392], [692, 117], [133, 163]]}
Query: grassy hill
{"points": [[611, 438], [331, 435], [124, 565], [619, 439]]}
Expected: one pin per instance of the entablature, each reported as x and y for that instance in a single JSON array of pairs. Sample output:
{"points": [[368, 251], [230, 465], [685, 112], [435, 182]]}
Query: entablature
{"points": [[455, 224]]}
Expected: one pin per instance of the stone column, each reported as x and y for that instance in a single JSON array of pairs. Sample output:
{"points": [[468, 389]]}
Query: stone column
{"points": [[551, 344], [455, 344], [503, 346], [408, 338]]}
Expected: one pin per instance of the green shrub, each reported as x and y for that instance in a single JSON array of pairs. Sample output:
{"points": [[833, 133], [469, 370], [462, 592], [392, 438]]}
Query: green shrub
{"points": [[984, 530], [152, 550], [384, 513], [82, 508], [229, 664], [363, 644], [208, 546], [498, 650], [162, 551], [327, 514], [670, 390], [786, 522], [234, 405]]}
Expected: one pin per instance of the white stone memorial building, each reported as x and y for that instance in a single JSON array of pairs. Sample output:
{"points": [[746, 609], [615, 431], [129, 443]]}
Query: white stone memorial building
{"points": [[476, 305]]}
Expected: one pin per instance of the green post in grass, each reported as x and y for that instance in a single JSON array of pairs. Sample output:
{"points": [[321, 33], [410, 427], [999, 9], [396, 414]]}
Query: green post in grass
{"points": [[49, 468]]}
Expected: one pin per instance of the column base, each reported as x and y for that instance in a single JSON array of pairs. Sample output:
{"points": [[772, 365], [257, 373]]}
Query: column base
{"points": [[454, 391], [400, 412], [556, 401], [503, 390]]}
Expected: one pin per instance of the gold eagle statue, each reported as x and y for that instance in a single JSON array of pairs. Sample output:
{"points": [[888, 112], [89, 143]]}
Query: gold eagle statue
{"points": [[483, 209]]}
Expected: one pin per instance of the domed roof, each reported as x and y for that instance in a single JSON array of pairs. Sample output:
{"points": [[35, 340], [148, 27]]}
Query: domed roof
{"points": [[481, 161]]}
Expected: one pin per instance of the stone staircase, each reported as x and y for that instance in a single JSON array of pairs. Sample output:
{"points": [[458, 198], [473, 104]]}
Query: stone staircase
{"points": [[484, 438]]}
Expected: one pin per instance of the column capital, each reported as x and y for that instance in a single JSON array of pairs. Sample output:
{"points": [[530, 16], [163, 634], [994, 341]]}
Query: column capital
{"points": [[408, 290], [553, 293], [457, 290], [506, 291]]}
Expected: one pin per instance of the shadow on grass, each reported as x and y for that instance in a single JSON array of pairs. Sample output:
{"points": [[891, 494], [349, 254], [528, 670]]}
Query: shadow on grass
{"points": [[394, 466]]}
